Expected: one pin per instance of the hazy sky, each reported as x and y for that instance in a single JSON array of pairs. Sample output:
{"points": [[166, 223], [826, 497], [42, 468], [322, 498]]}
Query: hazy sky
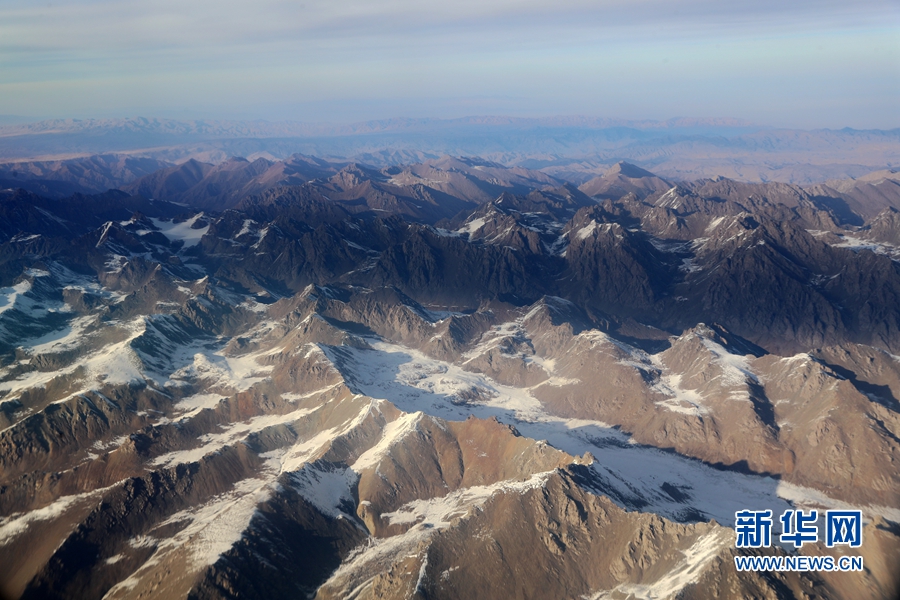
{"points": [[802, 63]]}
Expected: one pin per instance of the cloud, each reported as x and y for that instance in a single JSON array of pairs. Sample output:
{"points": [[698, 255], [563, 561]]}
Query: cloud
{"points": [[165, 24], [587, 56]]}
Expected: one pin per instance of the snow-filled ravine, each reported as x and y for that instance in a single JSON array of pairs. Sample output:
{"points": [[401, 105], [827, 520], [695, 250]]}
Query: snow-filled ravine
{"points": [[637, 477]]}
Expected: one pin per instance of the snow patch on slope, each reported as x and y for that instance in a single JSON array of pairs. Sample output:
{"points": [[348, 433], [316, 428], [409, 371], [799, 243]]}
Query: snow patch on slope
{"points": [[392, 433], [115, 364], [472, 226], [327, 490], [212, 442], [809, 498], [213, 529], [182, 231], [696, 559], [9, 295], [857, 244], [440, 512], [685, 402]]}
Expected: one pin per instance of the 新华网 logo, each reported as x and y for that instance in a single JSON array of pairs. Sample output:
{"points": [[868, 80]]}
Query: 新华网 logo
{"points": [[754, 528]]}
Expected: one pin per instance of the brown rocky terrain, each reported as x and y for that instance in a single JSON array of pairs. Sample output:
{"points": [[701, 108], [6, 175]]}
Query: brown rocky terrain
{"points": [[353, 387]]}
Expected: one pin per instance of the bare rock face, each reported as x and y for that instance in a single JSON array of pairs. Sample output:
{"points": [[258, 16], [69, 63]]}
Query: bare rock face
{"points": [[624, 178], [867, 195], [822, 416], [885, 227], [875, 373], [599, 256]]}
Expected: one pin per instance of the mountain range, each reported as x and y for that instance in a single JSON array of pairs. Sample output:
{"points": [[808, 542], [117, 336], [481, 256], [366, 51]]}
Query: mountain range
{"points": [[452, 377], [573, 148]]}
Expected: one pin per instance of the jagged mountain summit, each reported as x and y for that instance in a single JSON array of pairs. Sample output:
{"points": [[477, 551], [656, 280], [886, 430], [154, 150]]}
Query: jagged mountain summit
{"points": [[447, 379]]}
